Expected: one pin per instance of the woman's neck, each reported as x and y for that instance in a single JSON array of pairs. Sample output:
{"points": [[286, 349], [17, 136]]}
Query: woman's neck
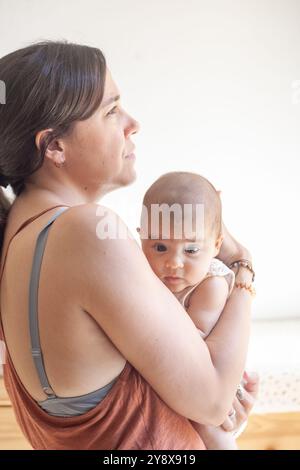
{"points": [[65, 196]]}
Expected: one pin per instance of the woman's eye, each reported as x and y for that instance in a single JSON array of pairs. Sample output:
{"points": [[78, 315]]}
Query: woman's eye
{"points": [[112, 111], [159, 247]]}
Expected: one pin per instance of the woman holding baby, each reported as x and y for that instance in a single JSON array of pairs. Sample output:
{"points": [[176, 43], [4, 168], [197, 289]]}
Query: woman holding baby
{"points": [[92, 361]]}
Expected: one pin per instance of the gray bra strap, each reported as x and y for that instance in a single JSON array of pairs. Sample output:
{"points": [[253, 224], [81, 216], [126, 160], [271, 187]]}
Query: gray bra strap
{"points": [[33, 302]]}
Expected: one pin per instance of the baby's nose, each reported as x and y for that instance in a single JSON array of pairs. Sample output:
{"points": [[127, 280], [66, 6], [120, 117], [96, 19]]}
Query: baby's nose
{"points": [[174, 263]]}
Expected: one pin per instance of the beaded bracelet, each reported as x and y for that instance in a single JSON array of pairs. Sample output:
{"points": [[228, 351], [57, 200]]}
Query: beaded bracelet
{"points": [[246, 264], [248, 287]]}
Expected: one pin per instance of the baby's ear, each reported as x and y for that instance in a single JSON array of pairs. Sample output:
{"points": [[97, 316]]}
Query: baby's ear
{"points": [[218, 244]]}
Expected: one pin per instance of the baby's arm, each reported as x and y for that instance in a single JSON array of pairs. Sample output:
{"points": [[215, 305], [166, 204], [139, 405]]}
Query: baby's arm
{"points": [[207, 303]]}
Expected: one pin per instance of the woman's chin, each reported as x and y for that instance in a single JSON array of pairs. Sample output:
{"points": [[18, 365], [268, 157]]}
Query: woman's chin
{"points": [[121, 181], [128, 178]]}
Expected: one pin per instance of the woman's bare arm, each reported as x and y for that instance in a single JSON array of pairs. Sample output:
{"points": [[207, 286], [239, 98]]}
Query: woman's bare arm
{"points": [[231, 249], [116, 285]]}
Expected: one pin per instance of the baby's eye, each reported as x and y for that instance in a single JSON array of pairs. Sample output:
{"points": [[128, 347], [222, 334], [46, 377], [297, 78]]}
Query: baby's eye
{"points": [[160, 247], [192, 251]]}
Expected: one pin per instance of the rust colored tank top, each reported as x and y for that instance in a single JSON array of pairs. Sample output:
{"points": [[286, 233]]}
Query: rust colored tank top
{"points": [[130, 417]]}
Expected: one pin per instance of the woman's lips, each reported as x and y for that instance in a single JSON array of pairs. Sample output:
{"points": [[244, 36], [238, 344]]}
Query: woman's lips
{"points": [[131, 156]]}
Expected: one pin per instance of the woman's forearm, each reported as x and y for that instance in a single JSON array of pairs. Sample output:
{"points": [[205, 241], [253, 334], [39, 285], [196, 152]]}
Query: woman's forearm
{"points": [[231, 250], [228, 341]]}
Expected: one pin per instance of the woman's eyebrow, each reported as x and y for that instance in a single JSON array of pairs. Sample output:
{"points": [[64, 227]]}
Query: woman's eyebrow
{"points": [[110, 100]]}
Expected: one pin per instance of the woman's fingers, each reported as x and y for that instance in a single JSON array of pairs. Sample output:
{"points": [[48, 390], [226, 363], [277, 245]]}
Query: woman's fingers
{"points": [[241, 411], [229, 424], [243, 402], [251, 383], [235, 418], [247, 402]]}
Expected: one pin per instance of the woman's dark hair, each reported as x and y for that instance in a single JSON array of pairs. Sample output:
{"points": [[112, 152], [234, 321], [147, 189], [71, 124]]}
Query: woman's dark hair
{"points": [[50, 84]]}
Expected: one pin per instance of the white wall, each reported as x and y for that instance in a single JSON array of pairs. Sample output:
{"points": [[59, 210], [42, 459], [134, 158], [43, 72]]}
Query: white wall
{"points": [[211, 83]]}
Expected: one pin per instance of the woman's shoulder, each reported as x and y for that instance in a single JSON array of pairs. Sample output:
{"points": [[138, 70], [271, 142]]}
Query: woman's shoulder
{"points": [[95, 238], [95, 229], [93, 218]]}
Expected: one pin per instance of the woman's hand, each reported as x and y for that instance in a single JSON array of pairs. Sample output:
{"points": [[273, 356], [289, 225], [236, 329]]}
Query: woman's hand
{"points": [[231, 249], [243, 403], [223, 437]]}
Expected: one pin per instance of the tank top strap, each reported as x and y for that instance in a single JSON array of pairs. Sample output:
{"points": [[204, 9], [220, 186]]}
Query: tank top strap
{"points": [[36, 350], [33, 293], [23, 225]]}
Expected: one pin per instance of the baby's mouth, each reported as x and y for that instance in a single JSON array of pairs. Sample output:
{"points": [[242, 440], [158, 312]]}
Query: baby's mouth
{"points": [[173, 279]]}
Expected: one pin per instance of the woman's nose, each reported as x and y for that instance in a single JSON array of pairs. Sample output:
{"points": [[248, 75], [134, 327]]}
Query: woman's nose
{"points": [[132, 126]]}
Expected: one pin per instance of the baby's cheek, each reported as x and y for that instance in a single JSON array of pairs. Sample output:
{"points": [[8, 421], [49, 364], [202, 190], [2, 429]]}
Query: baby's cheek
{"points": [[154, 262], [197, 272], [157, 267]]}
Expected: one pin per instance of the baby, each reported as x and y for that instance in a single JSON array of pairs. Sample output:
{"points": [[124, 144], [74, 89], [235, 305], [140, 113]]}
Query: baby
{"points": [[181, 246]]}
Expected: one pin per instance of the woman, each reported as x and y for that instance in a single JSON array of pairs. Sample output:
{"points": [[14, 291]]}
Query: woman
{"points": [[91, 363]]}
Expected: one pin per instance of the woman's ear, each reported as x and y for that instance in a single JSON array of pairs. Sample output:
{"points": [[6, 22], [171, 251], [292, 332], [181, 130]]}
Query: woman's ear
{"points": [[54, 150]]}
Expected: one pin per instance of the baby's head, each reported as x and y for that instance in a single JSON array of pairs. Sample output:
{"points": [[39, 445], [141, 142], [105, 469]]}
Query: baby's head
{"points": [[181, 228]]}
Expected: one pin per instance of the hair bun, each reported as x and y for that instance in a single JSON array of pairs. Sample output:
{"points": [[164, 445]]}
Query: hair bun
{"points": [[3, 181]]}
